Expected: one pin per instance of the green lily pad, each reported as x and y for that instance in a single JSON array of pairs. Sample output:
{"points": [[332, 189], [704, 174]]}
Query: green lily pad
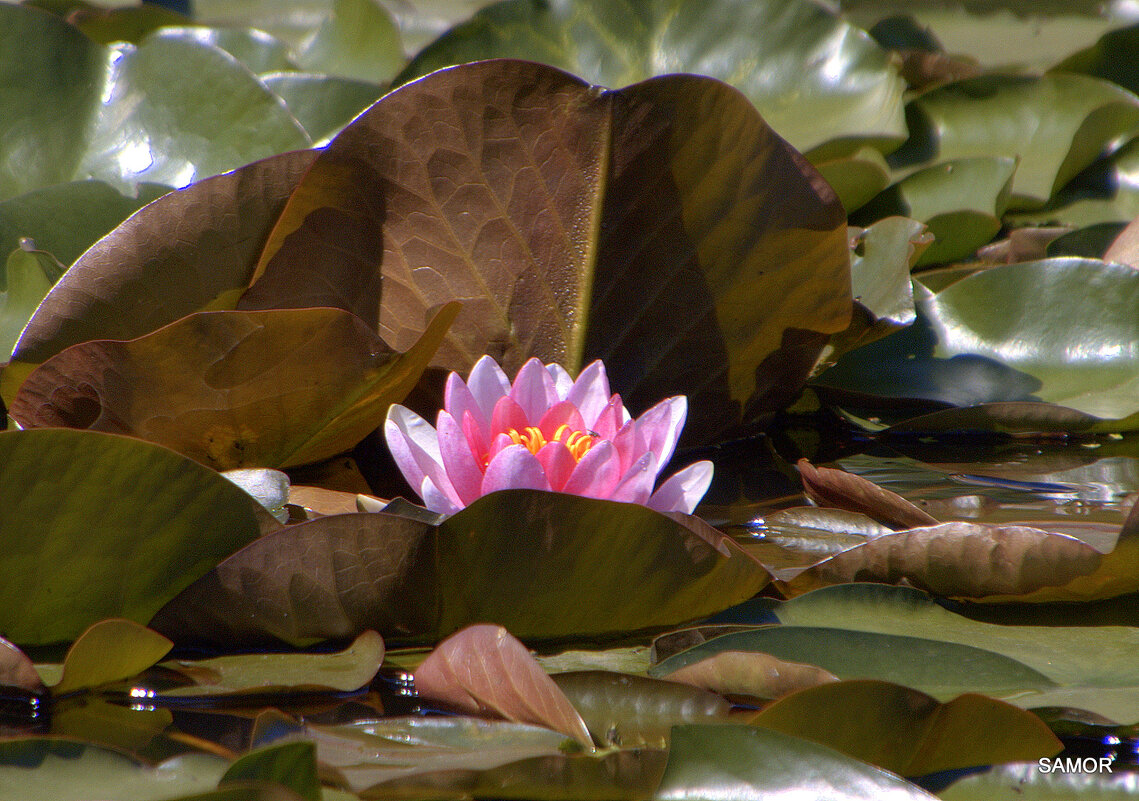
{"points": [[28, 277], [960, 201], [93, 209], [357, 40], [1112, 58], [908, 732], [291, 765], [743, 763], [323, 104], [131, 98], [233, 389], [734, 215], [1056, 124], [1058, 330], [1105, 192], [769, 50], [108, 652], [71, 545], [410, 580], [856, 178], [137, 279], [257, 50]]}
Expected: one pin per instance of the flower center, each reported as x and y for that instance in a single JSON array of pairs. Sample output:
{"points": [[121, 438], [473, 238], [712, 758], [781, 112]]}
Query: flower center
{"points": [[578, 442]]}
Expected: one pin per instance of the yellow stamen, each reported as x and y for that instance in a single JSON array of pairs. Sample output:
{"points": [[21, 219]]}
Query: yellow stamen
{"points": [[578, 442]]}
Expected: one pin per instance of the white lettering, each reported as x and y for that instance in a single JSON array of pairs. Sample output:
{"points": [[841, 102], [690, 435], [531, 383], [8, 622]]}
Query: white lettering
{"points": [[1076, 764]]}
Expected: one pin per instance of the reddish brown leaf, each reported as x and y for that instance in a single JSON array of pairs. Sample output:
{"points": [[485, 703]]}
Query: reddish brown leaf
{"points": [[16, 670], [842, 490], [750, 673], [482, 669]]}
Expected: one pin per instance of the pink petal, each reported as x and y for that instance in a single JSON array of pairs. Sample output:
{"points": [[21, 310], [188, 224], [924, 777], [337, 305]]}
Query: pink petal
{"points": [[435, 500], [514, 468], [637, 483], [500, 443], [561, 413], [458, 401], [476, 438], [414, 445], [590, 393], [609, 421], [629, 444], [562, 381], [596, 474], [507, 415], [558, 463], [661, 426], [487, 383], [683, 490], [459, 461], [534, 390]]}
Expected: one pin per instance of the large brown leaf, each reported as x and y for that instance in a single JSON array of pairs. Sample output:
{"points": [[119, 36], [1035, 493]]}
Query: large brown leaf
{"points": [[542, 564], [233, 389], [842, 490], [482, 669], [663, 227], [190, 250], [960, 559]]}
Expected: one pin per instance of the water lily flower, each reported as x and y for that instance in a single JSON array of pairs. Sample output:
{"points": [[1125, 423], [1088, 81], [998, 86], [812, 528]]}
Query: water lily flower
{"points": [[545, 431]]}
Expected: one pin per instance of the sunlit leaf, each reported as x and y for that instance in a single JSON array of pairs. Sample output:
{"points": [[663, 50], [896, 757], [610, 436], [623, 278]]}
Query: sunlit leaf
{"points": [[908, 732], [752, 674], [233, 389], [772, 51], [257, 50], [539, 223], [742, 763], [29, 275], [410, 580], [323, 104], [357, 40], [482, 669], [72, 550], [142, 107]]}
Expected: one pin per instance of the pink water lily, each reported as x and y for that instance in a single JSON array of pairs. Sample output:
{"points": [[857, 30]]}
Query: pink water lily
{"points": [[545, 431]]}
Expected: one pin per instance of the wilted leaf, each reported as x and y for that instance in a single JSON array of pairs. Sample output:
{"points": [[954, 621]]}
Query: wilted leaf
{"points": [[908, 732], [258, 674], [110, 651], [73, 546], [140, 278], [742, 763], [827, 486], [539, 202], [16, 670], [959, 559], [482, 669], [771, 50], [141, 109], [233, 389], [1057, 124], [752, 674], [338, 575], [627, 711]]}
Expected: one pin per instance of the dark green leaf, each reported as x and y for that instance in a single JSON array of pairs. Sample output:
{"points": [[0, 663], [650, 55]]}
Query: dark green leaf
{"points": [[292, 765]]}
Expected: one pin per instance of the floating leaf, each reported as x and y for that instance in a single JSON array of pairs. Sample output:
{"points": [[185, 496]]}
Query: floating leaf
{"points": [[1026, 781], [742, 763], [752, 674], [270, 488], [815, 78], [110, 651], [856, 178], [482, 669], [132, 99], [138, 279], [323, 104], [72, 550], [291, 765], [233, 389], [410, 580], [358, 40], [827, 486], [1124, 248], [258, 674], [257, 50], [93, 209], [540, 220], [626, 711], [960, 559], [29, 275], [16, 670], [1057, 124], [908, 732]]}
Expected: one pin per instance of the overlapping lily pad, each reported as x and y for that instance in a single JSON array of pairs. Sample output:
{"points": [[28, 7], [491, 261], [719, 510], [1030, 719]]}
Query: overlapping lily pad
{"points": [[814, 77], [335, 576], [119, 529]]}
